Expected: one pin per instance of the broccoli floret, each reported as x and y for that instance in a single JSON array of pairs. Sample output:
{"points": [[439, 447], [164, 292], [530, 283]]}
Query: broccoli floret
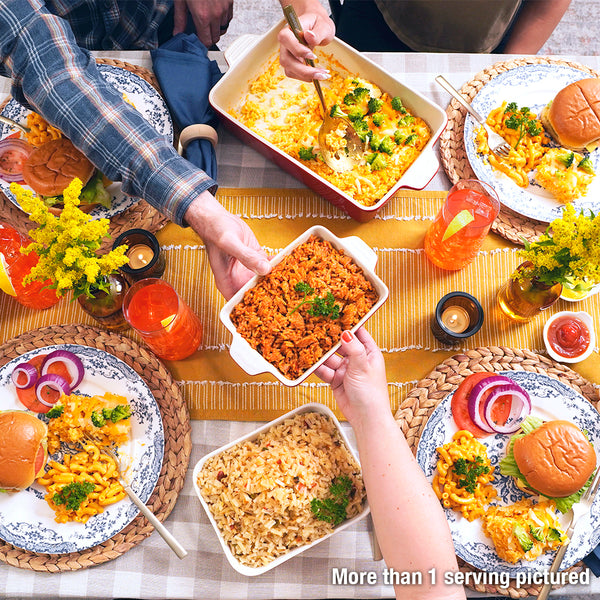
{"points": [[55, 411], [355, 113], [554, 534], [397, 104], [567, 159], [399, 137], [374, 105], [537, 533], [305, 153], [360, 93], [374, 141], [98, 419], [377, 119], [409, 141], [120, 412], [377, 161], [586, 165], [349, 100], [336, 112], [362, 129], [523, 537], [386, 145], [406, 121]]}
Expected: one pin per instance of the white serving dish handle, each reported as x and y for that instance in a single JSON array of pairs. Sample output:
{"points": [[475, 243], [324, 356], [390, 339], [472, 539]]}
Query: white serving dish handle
{"points": [[239, 47], [423, 170], [360, 248], [243, 354]]}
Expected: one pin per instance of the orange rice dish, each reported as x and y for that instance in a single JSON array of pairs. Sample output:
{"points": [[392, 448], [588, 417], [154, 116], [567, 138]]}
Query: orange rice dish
{"points": [[277, 316], [287, 113]]}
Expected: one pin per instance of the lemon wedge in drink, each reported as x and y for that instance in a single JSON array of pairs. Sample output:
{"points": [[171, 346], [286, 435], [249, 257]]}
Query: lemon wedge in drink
{"points": [[462, 219], [5, 282], [167, 322]]}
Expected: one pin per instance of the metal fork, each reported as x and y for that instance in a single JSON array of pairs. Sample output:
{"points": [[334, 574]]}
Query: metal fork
{"points": [[13, 123], [498, 145], [162, 530], [578, 510]]}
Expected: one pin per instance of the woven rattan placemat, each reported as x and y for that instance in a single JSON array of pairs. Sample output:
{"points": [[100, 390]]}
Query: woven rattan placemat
{"points": [[422, 400], [141, 215], [177, 449], [509, 224]]}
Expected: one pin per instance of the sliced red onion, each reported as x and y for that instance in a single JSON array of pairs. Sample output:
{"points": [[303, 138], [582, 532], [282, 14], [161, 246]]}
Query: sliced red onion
{"points": [[70, 360], [54, 382], [30, 373], [520, 407], [476, 395]]}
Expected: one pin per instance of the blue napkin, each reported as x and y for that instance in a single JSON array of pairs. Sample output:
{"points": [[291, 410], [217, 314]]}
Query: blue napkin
{"points": [[186, 76], [592, 560]]}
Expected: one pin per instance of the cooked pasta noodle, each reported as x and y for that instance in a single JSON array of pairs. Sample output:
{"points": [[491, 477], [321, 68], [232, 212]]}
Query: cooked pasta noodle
{"points": [[463, 477]]}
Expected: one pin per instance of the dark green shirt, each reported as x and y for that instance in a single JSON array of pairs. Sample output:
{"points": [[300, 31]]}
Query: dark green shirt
{"points": [[449, 25]]}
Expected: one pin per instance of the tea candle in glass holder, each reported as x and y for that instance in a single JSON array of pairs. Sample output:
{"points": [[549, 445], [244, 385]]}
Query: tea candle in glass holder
{"points": [[145, 257], [458, 315]]}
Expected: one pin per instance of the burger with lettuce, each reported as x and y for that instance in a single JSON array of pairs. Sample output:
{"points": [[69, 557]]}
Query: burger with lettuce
{"points": [[554, 459]]}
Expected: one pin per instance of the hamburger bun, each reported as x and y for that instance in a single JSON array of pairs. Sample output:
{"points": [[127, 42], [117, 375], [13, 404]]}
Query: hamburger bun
{"points": [[23, 451], [52, 166], [573, 117], [556, 459]]}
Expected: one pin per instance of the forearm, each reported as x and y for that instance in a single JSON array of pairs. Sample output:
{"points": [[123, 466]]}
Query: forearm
{"points": [[411, 527], [536, 21], [69, 92]]}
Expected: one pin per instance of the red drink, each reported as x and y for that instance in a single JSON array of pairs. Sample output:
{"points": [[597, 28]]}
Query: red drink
{"points": [[166, 323], [458, 231], [14, 266]]}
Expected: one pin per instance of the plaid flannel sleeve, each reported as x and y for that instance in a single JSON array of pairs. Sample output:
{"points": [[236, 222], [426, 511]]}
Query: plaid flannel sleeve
{"points": [[59, 80]]}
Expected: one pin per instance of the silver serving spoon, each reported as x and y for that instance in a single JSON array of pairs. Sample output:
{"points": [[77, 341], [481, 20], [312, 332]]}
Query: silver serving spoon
{"points": [[339, 159]]}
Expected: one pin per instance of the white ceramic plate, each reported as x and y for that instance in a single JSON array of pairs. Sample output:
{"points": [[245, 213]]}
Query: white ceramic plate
{"points": [[233, 561], [533, 86], [26, 520], [147, 101], [551, 399]]}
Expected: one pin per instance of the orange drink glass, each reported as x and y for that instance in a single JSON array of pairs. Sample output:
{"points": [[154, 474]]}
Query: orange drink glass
{"points": [[458, 230], [164, 321]]}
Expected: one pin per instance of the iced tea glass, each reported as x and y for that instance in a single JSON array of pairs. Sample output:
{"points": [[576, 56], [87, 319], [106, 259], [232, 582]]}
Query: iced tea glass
{"points": [[457, 232], [164, 321]]}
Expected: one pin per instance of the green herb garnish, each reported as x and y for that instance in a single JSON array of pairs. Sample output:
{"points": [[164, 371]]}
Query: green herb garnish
{"points": [[305, 153], [471, 469], [521, 121], [320, 307], [73, 494], [333, 509]]}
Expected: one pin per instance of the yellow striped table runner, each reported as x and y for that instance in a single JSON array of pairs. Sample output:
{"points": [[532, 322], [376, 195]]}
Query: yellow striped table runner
{"points": [[216, 388]]}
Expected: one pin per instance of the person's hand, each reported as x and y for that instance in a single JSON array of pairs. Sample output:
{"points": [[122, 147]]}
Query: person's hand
{"points": [[211, 18], [357, 377], [233, 251], [319, 30]]}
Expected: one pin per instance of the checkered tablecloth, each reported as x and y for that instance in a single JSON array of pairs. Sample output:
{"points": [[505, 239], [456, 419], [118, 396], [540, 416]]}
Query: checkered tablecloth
{"points": [[150, 570]]}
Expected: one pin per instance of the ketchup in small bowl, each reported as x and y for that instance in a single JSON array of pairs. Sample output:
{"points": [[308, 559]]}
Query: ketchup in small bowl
{"points": [[569, 336], [14, 153]]}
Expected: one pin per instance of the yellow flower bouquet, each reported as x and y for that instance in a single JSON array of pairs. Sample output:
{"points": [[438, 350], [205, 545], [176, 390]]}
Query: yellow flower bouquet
{"points": [[569, 251], [67, 244]]}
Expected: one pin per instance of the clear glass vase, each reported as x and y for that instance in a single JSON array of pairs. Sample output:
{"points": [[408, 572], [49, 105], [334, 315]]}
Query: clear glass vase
{"points": [[524, 296], [107, 306]]}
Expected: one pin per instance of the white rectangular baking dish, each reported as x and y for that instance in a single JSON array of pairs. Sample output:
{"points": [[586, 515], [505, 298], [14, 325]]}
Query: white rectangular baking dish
{"points": [[250, 359], [233, 561], [248, 57]]}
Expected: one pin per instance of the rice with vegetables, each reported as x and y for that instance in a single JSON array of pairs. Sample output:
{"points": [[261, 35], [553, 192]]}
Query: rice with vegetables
{"points": [[260, 492], [296, 313], [288, 114]]}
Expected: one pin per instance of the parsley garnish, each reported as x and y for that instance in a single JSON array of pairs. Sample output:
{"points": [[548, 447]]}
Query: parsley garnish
{"points": [[333, 509], [520, 120], [320, 307], [73, 494], [471, 469], [305, 153]]}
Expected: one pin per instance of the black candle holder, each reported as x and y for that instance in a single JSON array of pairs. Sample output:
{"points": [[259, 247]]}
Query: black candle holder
{"points": [[465, 301], [155, 267]]}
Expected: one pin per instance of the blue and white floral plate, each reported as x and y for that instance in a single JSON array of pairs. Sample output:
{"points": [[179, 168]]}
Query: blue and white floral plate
{"points": [[551, 399], [533, 86], [147, 101], [26, 520]]}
